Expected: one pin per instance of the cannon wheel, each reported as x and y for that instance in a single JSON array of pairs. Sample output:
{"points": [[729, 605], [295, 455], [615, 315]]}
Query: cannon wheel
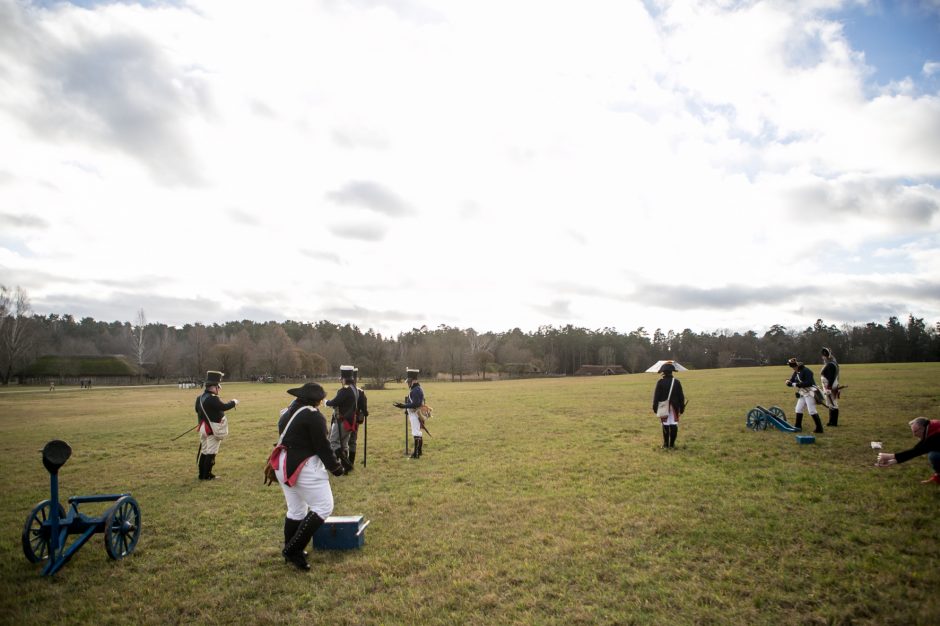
{"points": [[776, 411], [122, 528], [35, 544], [755, 420]]}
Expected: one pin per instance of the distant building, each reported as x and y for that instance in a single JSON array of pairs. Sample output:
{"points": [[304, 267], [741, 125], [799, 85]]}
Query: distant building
{"points": [[600, 370], [81, 370]]}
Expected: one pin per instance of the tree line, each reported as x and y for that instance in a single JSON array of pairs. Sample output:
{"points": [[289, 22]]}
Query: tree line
{"points": [[260, 350]]}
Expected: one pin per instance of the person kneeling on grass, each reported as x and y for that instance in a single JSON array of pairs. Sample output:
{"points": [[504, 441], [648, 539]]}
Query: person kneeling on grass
{"points": [[928, 434]]}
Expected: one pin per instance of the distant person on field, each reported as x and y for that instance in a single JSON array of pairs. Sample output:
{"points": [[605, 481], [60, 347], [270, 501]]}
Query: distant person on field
{"points": [[414, 401], [669, 389], [802, 379], [301, 461], [829, 376], [362, 412], [927, 433], [213, 426], [345, 421]]}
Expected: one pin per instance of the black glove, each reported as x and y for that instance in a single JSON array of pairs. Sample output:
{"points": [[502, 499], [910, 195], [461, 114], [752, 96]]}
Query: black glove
{"points": [[338, 470], [399, 405]]}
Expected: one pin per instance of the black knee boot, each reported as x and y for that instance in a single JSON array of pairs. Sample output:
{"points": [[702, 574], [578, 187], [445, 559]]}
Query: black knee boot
{"points": [[833, 417], [204, 467], [414, 453], [352, 456], [290, 528], [420, 446], [673, 432], [818, 423], [294, 547], [798, 424], [665, 436], [210, 463]]}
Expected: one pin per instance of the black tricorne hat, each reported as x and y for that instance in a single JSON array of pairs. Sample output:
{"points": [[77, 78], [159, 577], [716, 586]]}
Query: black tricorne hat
{"points": [[213, 378], [311, 392], [667, 367]]}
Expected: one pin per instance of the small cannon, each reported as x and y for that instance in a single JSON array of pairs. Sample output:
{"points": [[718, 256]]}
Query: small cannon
{"points": [[46, 529], [760, 418]]}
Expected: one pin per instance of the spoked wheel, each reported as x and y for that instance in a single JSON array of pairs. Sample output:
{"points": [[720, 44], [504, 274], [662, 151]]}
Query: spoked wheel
{"points": [[36, 536], [777, 412], [755, 420], [122, 528]]}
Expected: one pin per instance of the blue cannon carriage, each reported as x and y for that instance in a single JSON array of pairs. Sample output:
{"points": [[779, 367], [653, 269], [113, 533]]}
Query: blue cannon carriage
{"points": [[760, 418], [48, 525]]}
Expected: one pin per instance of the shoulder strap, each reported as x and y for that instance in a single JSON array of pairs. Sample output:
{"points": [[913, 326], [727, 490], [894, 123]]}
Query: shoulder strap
{"points": [[290, 421], [670, 389], [204, 414]]}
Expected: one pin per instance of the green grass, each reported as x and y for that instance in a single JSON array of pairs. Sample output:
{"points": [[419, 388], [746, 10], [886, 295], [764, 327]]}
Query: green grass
{"points": [[538, 501]]}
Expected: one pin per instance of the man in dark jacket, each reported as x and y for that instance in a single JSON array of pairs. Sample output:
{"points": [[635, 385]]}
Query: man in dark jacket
{"points": [[362, 412], [413, 402], [829, 376], [806, 390], [213, 427], [927, 433], [669, 389], [345, 407]]}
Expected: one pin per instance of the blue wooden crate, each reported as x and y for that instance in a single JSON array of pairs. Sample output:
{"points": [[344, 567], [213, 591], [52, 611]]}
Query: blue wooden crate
{"points": [[805, 439], [341, 532]]}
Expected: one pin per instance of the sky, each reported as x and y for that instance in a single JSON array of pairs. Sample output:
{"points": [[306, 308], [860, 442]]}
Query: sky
{"points": [[392, 164]]}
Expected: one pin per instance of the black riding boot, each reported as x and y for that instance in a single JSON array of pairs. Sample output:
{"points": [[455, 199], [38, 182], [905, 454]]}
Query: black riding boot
{"points": [[818, 423], [204, 467], [420, 446], [294, 547], [798, 424], [833, 417], [290, 528], [673, 433], [665, 436], [352, 456], [414, 453], [209, 465]]}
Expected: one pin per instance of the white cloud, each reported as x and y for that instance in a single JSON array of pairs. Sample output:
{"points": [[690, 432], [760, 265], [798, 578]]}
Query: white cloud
{"points": [[515, 164]]}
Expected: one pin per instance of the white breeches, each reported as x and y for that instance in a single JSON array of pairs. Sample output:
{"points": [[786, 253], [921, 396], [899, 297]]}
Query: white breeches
{"points": [[415, 423], [806, 404], [311, 492], [210, 443]]}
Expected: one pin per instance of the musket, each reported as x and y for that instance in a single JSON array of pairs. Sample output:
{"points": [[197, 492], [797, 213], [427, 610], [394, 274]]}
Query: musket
{"points": [[406, 427], [187, 432], [365, 439]]}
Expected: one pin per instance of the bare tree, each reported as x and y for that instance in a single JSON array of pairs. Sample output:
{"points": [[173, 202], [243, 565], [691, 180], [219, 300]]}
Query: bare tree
{"points": [[16, 332], [277, 352], [199, 344], [166, 355], [137, 337]]}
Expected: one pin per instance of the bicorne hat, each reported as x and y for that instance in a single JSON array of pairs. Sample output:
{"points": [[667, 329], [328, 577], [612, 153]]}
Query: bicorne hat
{"points": [[793, 362], [311, 392], [667, 367], [213, 378]]}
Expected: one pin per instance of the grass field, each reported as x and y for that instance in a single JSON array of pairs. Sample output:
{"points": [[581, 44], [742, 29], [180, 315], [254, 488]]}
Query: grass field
{"points": [[538, 501]]}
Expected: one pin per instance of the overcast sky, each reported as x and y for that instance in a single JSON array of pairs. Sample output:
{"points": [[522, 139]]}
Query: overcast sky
{"points": [[489, 164]]}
